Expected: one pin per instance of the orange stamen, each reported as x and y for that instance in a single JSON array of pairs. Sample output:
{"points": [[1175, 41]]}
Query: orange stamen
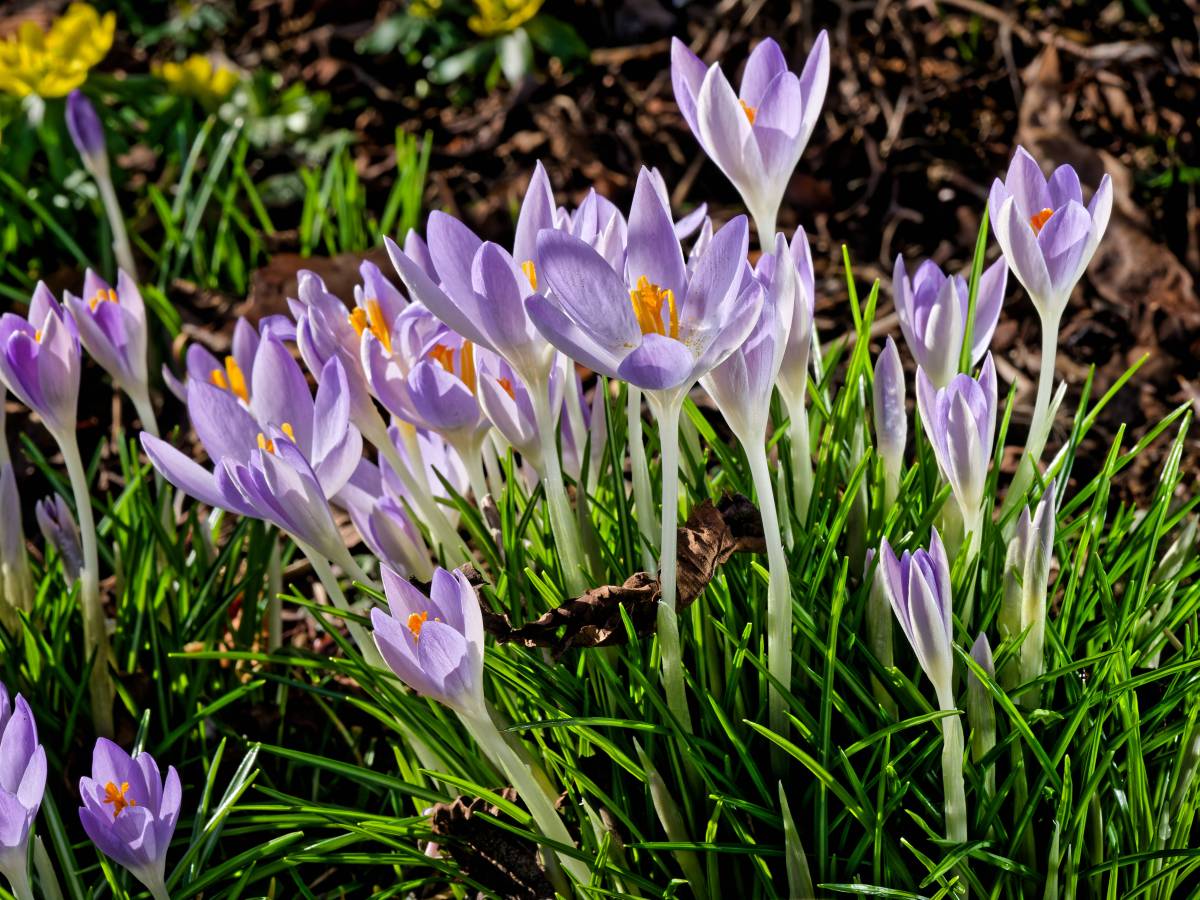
{"points": [[530, 272], [371, 319], [235, 380], [647, 299], [265, 443], [416, 622], [508, 386], [468, 365], [749, 110], [1038, 220], [116, 796]]}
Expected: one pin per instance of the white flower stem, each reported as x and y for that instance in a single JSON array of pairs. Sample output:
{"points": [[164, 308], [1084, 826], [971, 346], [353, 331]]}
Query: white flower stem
{"points": [[18, 880], [95, 635], [116, 220], [667, 407], [1039, 428], [324, 573], [566, 535], [779, 590], [539, 801], [802, 470], [643, 501], [159, 891], [495, 472], [145, 412], [952, 783]]}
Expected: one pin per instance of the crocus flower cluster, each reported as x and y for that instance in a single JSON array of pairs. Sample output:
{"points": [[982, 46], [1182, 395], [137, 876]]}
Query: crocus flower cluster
{"points": [[22, 783]]}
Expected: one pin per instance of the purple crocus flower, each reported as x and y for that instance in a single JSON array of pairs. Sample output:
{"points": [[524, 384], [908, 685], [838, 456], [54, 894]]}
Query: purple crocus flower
{"points": [[651, 325], [756, 135], [40, 362], [58, 527], [383, 521], [1048, 236], [130, 812], [86, 131], [506, 402], [918, 587], [112, 328], [960, 421], [22, 783], [933, 307], [891, 416], [793, 371], [434, 644], [742, 385]]}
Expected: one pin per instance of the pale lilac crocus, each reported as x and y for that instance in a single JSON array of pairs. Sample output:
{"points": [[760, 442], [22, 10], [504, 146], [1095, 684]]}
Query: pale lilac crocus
{"points": [[130, 812], [793, 372], [1026, 584], [960, 422], [112, 328], [58, 527], [918, 587], [22, 784], [742, 386], [40, 362], [891, 418], [506, 401], [933, 308], [384, 522], [757, 134]]}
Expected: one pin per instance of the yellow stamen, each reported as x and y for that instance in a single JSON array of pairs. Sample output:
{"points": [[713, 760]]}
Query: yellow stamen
{"points": [[37, 336], [217, 377], [116, 796], [416, 622], [265, 443], [286, 428], [235, 380], [468, 365], [530, 272], [647, 299], [444, 355], [508, 386], [749, 110], [102, 295], [1038, 220], [371, 319]]}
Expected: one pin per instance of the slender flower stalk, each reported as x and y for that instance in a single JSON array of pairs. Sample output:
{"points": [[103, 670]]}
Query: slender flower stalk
{"points": [[1048, 238], [88, 135], [918, 587], [647, 512], [435, 645]]}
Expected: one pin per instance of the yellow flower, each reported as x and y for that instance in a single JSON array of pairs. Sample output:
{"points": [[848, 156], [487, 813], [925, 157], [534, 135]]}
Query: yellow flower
{"points": [[424, 9], [198, 78], [502, 16], [53, 63]]}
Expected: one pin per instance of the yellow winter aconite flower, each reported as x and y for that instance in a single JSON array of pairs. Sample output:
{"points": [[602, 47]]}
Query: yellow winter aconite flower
{"points": [[198, 78], [53, 63], [502, 16]]}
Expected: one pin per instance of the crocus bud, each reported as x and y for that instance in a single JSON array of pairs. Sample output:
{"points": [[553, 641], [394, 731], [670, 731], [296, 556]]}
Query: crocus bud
{"points": [[1026, 576], [87, 133], [58, 527], [22, 783], [981, 713], [16, 584], [130, 812], [918, 587], [793, 371], [933, 309], [891, 418], [434, 644], [960, 421]]}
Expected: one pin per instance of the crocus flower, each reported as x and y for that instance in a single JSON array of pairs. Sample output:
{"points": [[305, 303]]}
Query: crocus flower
{"points": [[130, 812], [918, 587], [383, 521], [1026, 581], [793, 371], [891, 417], [755, 136], [112, 328], [960, 421], [981, 712], [933, 308], [22, 783], [434, 644], [58, 527], [1048, 236], [40, 362], [650, 325], [505, 400], [16, 583], [86, 132]]}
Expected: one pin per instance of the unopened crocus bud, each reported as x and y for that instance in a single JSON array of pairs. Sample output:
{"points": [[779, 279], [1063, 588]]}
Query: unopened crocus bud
{"points": [[130, 812], [16, 584], [87, 132], [1026, 577], [891, 418], [22, 783], [981, 713], [58, 527], [1165, 574], [879, 628]]}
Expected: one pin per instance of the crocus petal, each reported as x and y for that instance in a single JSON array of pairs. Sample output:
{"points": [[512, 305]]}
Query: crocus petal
{"points": [[589, 291], [654, 251], [279, 392], [687, 75], [765, 64], [658, 363]]}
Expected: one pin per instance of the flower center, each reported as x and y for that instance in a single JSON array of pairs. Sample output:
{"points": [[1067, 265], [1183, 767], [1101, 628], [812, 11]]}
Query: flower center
{"points": [[749, 110], [416, 622], [647, 299], [530, 272], [508, 386], [265, 443], [116, 796], [1038, 220], [231, 379], [443, 354], [102, 295], [371, 319]]}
